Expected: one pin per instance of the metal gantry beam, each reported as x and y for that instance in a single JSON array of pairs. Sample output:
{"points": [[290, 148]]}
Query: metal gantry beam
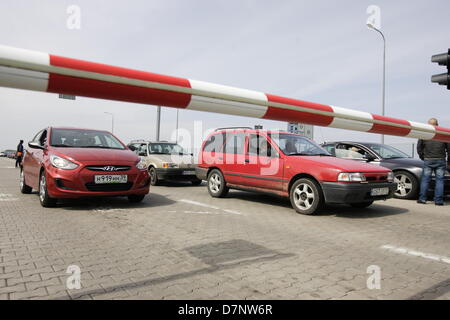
{"points": [[37, 71]]}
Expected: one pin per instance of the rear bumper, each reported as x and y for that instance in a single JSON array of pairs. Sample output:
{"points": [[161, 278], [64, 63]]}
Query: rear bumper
{"points": [[346, 193], [201, 173], [185, 174]]}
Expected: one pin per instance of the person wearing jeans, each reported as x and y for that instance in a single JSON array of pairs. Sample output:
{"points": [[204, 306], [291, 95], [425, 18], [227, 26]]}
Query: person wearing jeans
{"points": [[435, 155]]}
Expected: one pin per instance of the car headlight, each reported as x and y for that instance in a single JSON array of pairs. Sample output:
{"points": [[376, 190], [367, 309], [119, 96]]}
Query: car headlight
{"points": [[167, 165], [141, 165], [62, 163], [351, 177], [390, 177]]}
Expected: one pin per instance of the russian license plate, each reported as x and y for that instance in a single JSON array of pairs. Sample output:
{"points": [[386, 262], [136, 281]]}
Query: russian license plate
{"points": [[379, 192], [109, 178], [188, 173]]}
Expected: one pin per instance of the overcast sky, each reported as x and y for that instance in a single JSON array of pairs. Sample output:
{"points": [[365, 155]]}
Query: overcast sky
{"points": [[319, 51]]}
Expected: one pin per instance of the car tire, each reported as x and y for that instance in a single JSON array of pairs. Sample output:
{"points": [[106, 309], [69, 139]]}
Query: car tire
{"points": [[45, 200], [24, 188], [217, 186], [135, 198], [361, 205], [408, 185], [196, 182], [154, 181], [306, 196]]}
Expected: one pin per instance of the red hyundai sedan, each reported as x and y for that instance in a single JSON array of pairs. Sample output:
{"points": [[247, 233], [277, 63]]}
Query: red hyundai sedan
{"points": [[75, 163]]}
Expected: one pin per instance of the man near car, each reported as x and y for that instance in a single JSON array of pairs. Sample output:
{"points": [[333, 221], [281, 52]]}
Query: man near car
{"points": [[435, 155], [19, 154]]}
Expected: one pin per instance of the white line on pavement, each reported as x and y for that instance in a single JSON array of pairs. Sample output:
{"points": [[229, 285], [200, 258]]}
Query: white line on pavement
{"points": [[200, 204], [5, 195], [8, 199], [415, 253]]}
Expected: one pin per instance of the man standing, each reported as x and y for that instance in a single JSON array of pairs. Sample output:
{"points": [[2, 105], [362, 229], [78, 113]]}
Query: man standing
{"points": [[435, 155], [19, 154]]}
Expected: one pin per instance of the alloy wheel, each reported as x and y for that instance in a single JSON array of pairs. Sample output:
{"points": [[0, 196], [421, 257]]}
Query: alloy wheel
{"points": [[304, 196]]}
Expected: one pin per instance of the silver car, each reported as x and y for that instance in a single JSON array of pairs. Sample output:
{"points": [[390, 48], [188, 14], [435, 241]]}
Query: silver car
{"points": [[166, 161]]}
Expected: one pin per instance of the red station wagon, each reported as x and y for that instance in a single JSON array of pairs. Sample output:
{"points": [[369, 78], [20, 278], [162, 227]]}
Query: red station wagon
{"points": [[74, 163], [289, 165]]}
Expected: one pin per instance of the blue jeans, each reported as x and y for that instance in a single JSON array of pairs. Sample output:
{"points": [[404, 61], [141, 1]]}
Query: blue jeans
{"points": [[439, 167]]}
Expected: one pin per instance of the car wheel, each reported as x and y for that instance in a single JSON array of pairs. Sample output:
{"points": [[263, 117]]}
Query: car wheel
{"points": [[44, 198], [306, 196], [217, 187], [136, 198], [407, 185], [361, 204], [196, 182], [153, 176], [23, 186]]}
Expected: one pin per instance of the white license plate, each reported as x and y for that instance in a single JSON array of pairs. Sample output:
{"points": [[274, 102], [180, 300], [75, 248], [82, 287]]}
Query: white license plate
{"points": [[188, 173], [379, 192], [109, 178]]}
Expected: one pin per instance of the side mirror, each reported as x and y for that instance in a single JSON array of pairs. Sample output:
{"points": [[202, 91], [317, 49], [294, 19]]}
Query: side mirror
{"points": [[132, 148], [370, 158], [35, 145]]}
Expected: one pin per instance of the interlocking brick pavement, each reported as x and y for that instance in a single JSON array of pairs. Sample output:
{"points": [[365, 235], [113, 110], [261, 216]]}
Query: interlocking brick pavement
{"points": [[245, 246]]}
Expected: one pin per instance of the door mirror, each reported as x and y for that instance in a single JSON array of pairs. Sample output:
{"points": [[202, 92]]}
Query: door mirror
{"points": [[35, 145], [132, 148], [369, 158]]}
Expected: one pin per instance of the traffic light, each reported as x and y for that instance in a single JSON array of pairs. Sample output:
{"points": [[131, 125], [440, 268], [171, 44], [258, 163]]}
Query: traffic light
{"points": [[442, 59]]}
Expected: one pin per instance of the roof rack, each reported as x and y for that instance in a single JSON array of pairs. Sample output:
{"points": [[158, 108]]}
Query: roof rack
{"points": [[230, 128]]}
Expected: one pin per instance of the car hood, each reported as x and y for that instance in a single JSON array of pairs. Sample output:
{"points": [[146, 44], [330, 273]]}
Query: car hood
{"points": [[343, 164], [92, 154], [405, 162], [184, 161]]}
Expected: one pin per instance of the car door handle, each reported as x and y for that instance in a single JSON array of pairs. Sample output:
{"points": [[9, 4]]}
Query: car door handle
{"points": [[247, 160]]}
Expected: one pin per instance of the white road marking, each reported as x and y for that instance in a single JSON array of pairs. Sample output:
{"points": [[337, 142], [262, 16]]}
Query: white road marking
{"points": [[5, 195], [8, 168], [415, 253], [200, 204]]}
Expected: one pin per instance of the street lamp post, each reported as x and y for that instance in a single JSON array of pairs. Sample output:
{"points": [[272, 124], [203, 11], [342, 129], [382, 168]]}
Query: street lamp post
{"points": [[158, 122], [112, 121], [371, 26]]}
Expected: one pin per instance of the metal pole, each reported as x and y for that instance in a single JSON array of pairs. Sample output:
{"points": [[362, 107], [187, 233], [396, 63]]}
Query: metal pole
{"points": [[384, 77], [176, 137], [158, 122]]}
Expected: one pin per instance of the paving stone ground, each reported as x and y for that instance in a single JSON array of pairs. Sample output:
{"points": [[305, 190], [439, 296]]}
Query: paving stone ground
{"points": [[182, 244]]}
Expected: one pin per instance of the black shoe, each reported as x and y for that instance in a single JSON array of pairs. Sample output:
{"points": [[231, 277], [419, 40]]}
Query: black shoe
{"points": [[439, 204], [421, 202]]}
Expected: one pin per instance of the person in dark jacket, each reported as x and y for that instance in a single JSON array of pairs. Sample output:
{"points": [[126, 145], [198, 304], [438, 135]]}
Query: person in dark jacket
{"points": [[435, 155], [19, 154]]}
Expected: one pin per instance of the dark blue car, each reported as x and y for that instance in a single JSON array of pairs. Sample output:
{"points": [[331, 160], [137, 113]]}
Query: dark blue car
{"points": [[407, 170]]}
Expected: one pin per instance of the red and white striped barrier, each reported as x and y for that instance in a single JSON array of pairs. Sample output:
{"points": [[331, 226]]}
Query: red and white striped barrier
{"points": [[31, 70]]}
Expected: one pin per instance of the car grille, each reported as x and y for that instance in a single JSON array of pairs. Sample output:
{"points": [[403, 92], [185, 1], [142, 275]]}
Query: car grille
{"points": [[376, 178], [108, 187], [108, 168]]}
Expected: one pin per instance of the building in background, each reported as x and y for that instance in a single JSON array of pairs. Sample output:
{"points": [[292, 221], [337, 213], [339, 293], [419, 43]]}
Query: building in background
{"points": [[306, 130]]}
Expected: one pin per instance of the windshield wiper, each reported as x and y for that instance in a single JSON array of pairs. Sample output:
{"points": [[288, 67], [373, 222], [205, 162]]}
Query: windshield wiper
{"points": [[309, 154], [98, 147], [61, 146]]}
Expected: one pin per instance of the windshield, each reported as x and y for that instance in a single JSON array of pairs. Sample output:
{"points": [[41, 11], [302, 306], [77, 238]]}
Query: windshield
{"points": [[74, 138], [293, 144], [387, 152], [166, 148]]}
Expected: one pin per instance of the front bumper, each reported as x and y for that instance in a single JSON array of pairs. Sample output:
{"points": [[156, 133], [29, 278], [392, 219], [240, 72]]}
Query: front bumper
{"points": [[80, 183], [347, 193], [185, 174]]}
